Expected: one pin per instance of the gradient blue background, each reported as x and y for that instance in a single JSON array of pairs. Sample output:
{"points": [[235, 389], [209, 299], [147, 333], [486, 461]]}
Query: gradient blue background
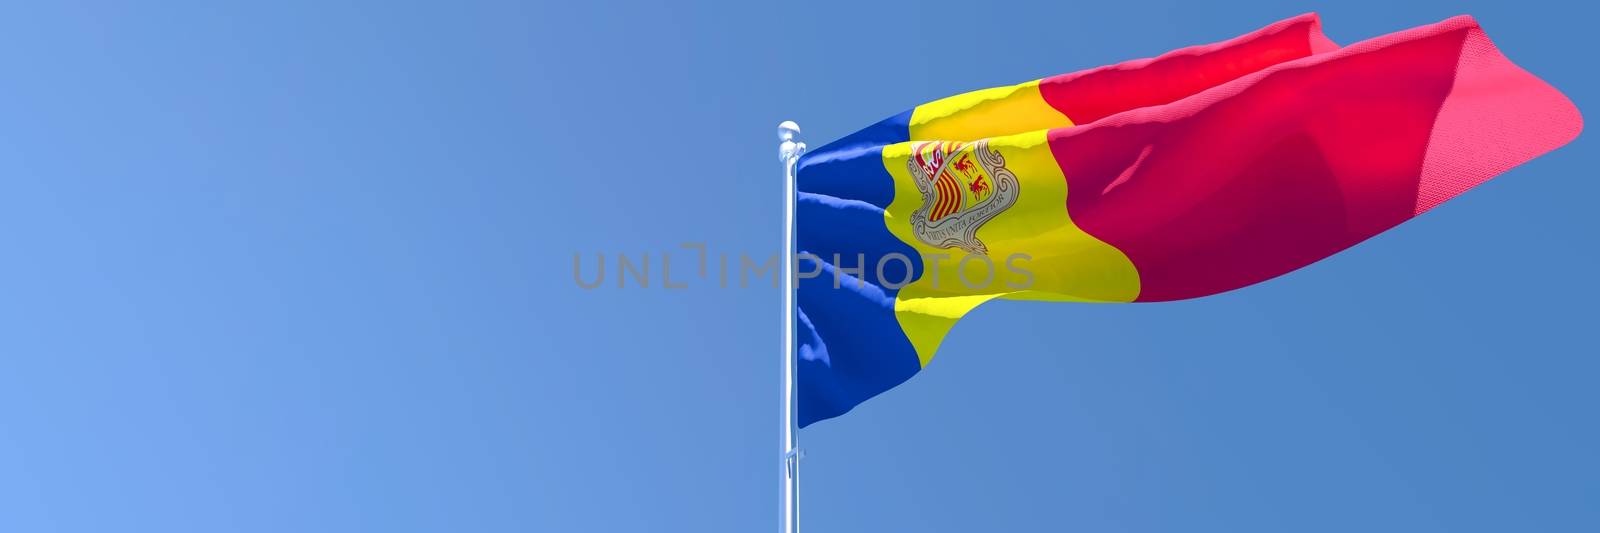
{"points": [[307, 266]]}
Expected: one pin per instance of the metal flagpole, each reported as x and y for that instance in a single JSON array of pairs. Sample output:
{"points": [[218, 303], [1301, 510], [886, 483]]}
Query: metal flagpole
{"points": [[789, 150]]}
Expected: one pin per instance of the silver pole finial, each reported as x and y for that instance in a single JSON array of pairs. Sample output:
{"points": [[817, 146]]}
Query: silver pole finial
{"points": [[789, 147]]}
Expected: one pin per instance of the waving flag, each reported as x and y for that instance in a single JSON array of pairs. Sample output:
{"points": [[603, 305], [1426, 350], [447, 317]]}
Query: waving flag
{"points": [[1197, 172]]}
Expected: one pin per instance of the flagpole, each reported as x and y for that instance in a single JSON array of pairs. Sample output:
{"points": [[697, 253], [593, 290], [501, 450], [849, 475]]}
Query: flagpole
{"points": [[789, 151]]}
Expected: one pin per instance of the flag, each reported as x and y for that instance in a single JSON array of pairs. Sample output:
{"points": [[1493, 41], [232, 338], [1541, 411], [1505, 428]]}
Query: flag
{"points": [[1200, 171]]}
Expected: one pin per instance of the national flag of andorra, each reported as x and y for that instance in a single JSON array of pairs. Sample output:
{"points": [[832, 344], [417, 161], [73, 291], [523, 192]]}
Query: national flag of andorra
{"points": [[1197, 172]]}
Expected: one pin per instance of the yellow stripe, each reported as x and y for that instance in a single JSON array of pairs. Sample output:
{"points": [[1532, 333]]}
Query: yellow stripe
{"points": [[1066, 263], [986, 113]]}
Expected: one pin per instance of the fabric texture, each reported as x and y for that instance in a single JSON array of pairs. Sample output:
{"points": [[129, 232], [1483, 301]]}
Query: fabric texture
{"points": [[1200, 171]]}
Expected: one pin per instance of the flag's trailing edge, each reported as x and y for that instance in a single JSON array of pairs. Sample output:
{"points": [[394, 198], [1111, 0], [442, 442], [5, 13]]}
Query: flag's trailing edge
{"points": [[1197, 172]]}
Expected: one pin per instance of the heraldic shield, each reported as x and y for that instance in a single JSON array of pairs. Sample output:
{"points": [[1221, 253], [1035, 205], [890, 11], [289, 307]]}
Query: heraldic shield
{"points": [[963, 186]]}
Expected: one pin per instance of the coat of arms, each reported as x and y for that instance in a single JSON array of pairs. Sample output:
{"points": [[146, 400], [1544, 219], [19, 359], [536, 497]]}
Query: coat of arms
{"points": [[963, 187]]}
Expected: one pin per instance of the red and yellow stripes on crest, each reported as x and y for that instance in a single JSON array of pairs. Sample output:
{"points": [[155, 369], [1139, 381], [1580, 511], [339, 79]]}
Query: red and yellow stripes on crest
{"points": [[931, 157], [948, 198]]}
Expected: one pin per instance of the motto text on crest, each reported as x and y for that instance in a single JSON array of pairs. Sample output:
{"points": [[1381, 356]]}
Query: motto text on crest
{"points": [[963, 187]]}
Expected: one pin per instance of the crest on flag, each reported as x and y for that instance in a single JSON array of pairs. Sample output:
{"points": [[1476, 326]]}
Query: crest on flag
{"points": [[964, 186]]}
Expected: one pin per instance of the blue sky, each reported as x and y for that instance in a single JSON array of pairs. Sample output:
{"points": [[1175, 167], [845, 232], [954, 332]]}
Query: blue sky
{"points": [[307, 267]]}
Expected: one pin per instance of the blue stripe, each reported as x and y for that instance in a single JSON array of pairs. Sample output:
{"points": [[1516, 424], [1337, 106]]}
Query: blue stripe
{"points": [[851, 347], [849, 168]]}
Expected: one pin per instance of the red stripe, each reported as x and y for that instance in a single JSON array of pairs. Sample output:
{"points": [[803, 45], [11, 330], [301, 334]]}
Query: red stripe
{"points": [[948, 192], [942, 206], [944, 200], [1277, 170], [955, 195], [1094, 94]]}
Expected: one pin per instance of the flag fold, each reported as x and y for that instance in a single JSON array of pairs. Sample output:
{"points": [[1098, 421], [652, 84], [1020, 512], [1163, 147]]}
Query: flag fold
{"points": [[1196, 172]]}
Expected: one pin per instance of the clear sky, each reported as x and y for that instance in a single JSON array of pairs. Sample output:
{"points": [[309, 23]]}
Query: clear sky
{"points": [[307, 266]]}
